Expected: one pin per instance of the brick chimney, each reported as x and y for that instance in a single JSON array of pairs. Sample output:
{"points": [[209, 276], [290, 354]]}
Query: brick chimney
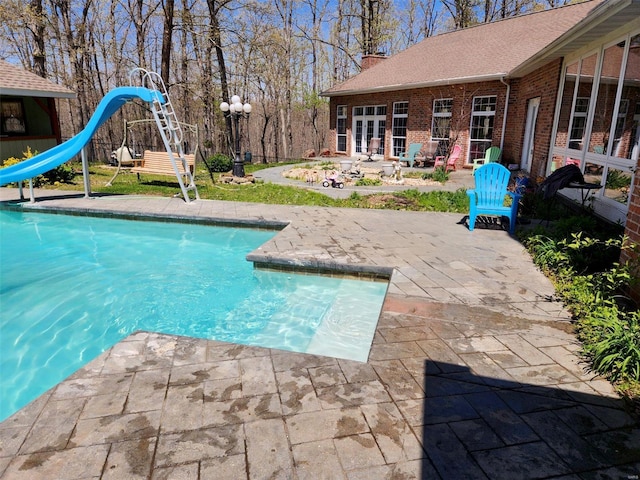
{"points": [[371, 60]]}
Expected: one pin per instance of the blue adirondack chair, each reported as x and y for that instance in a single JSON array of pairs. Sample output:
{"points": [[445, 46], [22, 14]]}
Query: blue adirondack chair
{"points": [[488, 197], [492, 154], [410, 155]]}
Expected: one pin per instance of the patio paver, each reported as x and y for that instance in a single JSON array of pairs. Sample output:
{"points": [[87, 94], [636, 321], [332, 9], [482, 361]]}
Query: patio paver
{"points": [[485, 384]]}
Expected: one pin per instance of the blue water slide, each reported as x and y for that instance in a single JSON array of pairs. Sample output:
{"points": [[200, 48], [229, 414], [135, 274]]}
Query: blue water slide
{"points": [[50, 159]]}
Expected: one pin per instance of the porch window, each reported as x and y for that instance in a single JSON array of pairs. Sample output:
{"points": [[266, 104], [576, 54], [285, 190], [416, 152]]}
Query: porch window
{"points": [[481, 132], [633, 152], [441, 122], [12, 117], [618, 134], [628, 148], [399, 131], [605, 100], [581, 109], [599, 123], [562, 132], [341, 129], [578, 124]]}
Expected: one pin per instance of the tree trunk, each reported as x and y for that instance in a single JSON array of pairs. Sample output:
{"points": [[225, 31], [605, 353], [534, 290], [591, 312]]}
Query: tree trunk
{"points": [[167, 34], [216, 40], [37, 28]]}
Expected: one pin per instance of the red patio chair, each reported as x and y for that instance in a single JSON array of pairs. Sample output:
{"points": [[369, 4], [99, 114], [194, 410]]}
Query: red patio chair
{"points": [[451, 162]]}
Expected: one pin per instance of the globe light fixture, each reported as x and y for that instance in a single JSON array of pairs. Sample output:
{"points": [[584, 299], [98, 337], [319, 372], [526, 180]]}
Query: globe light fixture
{"points": [[236, 109]]}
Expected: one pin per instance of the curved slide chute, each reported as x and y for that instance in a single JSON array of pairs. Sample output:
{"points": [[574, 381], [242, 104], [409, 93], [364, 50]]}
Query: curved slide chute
{"points": [[50, 159]]}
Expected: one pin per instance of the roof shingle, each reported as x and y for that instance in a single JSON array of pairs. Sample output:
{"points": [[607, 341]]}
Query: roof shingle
{"points": [[16, 81], [483, 52]]}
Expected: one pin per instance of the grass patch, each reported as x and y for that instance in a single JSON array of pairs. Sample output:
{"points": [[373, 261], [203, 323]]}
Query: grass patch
{"points": [[368, 182], [439, 174], [155, 185]]}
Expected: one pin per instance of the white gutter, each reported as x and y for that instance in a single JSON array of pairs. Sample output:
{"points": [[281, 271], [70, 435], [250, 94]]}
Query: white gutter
{"points": [[506, 111], [410, 86]]}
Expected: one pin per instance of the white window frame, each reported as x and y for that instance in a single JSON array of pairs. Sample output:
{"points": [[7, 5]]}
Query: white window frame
{"points": [[438, 113], [341, 113], [578, 114], [399, 142], [481, 113], [619, 126]]}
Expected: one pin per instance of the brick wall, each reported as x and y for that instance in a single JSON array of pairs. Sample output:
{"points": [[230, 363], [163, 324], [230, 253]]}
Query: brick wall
{"points": [[632, 230], [542, 83], [420, 112], [369, 61]]}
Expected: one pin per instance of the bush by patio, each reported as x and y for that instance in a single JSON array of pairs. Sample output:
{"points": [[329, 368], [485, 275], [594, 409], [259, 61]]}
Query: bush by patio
{"points": [[219, 163], [581, 257]]}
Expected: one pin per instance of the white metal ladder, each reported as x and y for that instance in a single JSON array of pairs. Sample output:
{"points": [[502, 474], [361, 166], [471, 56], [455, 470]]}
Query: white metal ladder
{"points": [[170, 129]]}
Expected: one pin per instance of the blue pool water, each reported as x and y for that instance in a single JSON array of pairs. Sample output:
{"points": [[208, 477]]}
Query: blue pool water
{"points": [[71, 287]]}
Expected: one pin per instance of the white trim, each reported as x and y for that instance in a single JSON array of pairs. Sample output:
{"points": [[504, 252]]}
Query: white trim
{"points": [[411, 86], [338, 117], [24, 92]]}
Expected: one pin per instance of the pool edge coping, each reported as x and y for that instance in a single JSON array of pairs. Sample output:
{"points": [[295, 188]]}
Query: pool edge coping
{"points": [[259, 260]]}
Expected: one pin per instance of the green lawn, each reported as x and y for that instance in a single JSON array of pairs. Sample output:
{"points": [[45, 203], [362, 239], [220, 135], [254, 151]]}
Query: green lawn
{"points": [[127, 184]]}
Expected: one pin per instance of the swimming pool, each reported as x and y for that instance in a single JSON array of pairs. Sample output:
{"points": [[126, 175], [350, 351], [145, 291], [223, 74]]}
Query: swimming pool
{"points": [[71, 287]]}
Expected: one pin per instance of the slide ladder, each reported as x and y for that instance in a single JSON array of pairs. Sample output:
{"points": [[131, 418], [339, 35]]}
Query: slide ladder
{"points": [[170, 130]]}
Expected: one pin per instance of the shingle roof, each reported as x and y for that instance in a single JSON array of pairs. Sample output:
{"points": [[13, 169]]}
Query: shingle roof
{"points": [[483, 52], [16, 81]]}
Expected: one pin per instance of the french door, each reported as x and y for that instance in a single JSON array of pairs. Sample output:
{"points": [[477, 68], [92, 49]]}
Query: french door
{"points": [[368, 122]]}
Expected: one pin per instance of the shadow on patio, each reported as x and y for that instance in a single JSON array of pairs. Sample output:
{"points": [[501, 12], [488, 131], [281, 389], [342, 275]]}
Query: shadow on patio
{"points": [[482, 427]]}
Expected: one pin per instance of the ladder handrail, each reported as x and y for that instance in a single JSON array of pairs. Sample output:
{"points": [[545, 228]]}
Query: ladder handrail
{"points": [[169, 127]]}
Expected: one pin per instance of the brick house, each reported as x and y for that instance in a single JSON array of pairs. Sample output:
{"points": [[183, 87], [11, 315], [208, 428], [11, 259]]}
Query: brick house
{"points": [[28, 113], [546, 87]]}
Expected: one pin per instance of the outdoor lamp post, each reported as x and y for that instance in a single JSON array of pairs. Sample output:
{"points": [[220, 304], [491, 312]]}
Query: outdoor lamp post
{"points": [[235, 109]]}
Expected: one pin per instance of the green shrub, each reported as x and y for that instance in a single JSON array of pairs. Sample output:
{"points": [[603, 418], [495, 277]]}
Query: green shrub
{"points": [[588, 279], [368, 182], [614, 342], [61, 174], [438, 175], [220, 163], [438, 200], [617, 180]]}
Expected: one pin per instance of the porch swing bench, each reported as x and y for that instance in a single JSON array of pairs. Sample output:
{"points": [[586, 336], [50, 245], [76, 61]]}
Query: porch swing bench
{"points": [[159, 163], [156, 162]]}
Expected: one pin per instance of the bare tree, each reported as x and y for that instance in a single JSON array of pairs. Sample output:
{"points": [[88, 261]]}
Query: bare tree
{"points": [[215, 42], [420, 19], [461, 11], [37, 28], [167, 35], [284, 52]]}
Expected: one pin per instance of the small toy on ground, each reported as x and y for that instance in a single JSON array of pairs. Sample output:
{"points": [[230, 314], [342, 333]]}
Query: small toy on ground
{"points": [[333, 180]]}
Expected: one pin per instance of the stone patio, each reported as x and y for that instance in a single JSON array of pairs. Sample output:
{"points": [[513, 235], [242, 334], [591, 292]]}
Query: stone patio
{"points": [[473, 372]]}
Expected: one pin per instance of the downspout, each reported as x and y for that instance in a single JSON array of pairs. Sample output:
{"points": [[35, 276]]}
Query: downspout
{"points": [[506, 111]]}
